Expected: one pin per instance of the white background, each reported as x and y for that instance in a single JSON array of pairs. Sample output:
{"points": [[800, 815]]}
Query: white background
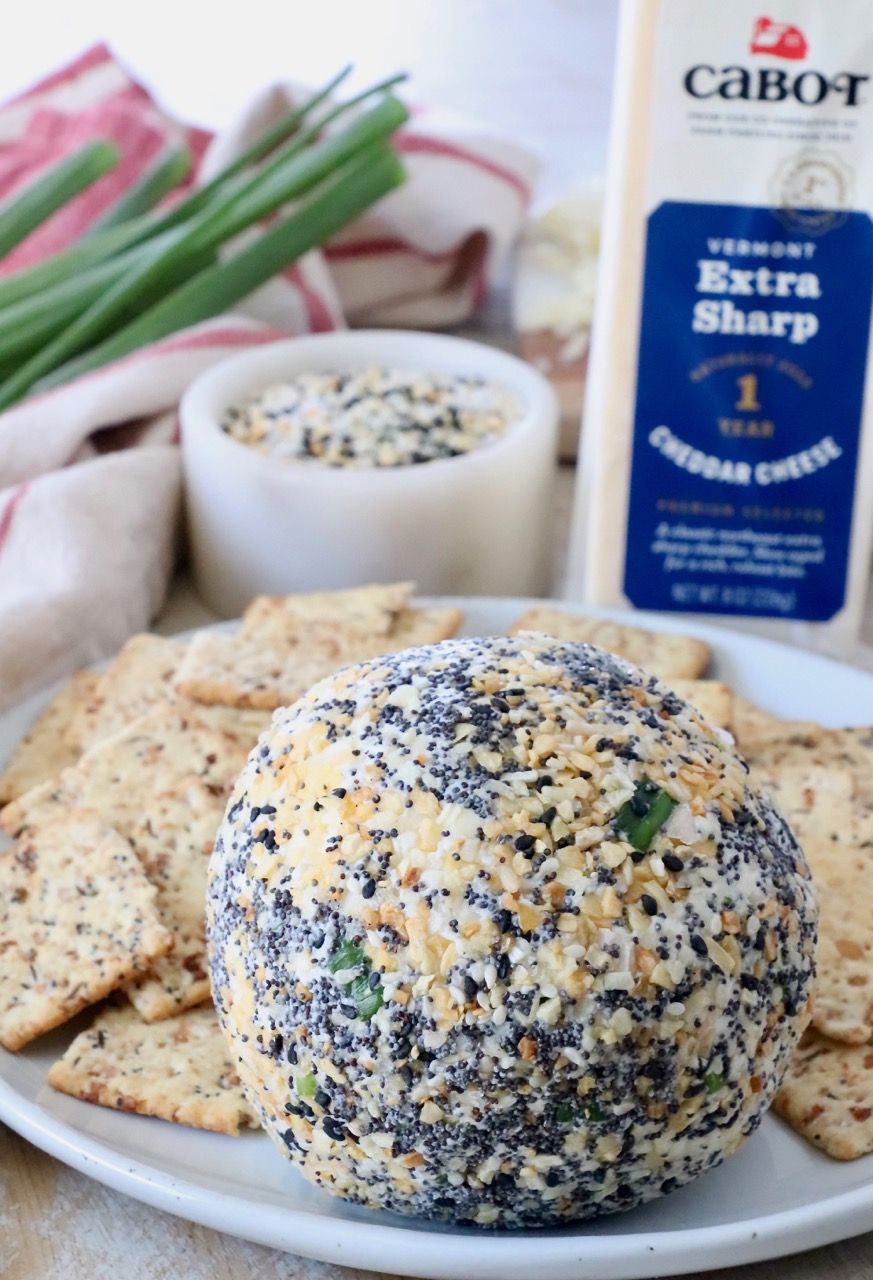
{"points": [[539, 70]]}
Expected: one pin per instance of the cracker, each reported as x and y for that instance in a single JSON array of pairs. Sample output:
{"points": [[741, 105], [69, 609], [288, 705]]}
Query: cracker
{"points": [[714, 700], [277, 654], [177, 1070], [44, 751], [754, 728], [136, 680], [424, 626], [77, 919], [173, 843], [661, 653], [836, 834], [827, 1096], [117, 777], [360, 612], [828, 749]]}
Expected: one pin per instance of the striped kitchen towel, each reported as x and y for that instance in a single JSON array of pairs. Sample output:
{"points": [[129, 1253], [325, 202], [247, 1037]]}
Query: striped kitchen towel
{"points": [[90, 481]]}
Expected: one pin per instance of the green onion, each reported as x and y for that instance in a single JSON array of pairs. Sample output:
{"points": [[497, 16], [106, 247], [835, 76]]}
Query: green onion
{"points": [[33, 320], [170, 168], [641, 817], [256, 151], [714, 1081], [567, 1112], [366, 999], [306, 1086], [166, 258], [348, 955], [333, 204], [25, 211], [68, 264], [71, 336]]}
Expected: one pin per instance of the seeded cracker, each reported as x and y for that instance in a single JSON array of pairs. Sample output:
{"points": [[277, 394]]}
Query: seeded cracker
{"points": [[118, 777], [657, 652], [44, 752], [173, 843], [850, 749], [77, 919], [755, 728], [714, 700], [281, 650], [137, 679], [827, 1096], [177, 1070], [836, 834]]}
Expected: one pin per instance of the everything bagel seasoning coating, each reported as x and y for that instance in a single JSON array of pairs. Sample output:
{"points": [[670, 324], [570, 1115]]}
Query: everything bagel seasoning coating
{"points": [[500, 934], [378, 417]]}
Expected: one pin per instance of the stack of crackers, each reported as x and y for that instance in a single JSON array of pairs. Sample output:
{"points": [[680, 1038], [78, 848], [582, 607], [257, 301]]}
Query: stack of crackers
{"points": [[115, 796], [113, 800]]}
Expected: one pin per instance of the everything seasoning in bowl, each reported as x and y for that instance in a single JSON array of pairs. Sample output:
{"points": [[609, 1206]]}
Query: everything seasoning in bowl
{"points": [[384, 455], [376, 417]]}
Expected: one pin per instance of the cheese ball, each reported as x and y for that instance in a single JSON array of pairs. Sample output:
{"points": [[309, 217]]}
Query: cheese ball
{"points": [[500, 934]]}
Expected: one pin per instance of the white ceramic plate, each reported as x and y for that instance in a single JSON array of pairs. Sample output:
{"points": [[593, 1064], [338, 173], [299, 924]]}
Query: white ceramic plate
{"points": [[777, 1196]]}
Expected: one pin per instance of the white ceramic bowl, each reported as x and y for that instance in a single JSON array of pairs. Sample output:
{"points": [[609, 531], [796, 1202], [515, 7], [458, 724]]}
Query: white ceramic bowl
{"points": [[476, 524]]}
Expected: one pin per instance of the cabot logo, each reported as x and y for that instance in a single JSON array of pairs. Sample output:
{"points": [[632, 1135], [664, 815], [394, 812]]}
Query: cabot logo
{"points": [[778, 39], [806, 86]]}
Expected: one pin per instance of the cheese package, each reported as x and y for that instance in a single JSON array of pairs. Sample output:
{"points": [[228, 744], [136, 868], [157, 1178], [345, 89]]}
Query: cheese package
{"points": [[727, 455]]}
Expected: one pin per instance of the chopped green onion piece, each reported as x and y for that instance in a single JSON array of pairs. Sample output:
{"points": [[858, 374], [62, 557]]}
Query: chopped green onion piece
{"points": [[568, 1112], [170, 168], [714, 1081], [347, 956], [641, 817], [24, 212], [367, 999], [306, 1086]]}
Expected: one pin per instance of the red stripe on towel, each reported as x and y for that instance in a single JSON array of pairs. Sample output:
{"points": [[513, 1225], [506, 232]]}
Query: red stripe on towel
{"points": [[421, 144], [10, 509]]}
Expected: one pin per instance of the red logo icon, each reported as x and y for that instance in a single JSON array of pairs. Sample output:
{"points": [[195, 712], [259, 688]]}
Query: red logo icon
{"points": [[778, 39]]}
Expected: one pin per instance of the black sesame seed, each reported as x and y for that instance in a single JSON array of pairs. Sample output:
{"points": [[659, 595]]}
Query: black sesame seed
{"points": [[471, 987], [524, 843], [672, 863], [545, 781], [698, 944], [499, 704], [291, 1055], [369, 888], [549, 816], [504, 1181], [649, 904], [373, 981], [406, 1075], [339, 792], [322, 1098], [333, 1129], [503, 967], [553, 1178], [276, 1045], [504, 920]]}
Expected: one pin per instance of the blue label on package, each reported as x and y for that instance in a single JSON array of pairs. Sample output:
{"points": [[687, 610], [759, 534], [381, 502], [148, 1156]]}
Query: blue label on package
{"points": [[753, 348]]}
